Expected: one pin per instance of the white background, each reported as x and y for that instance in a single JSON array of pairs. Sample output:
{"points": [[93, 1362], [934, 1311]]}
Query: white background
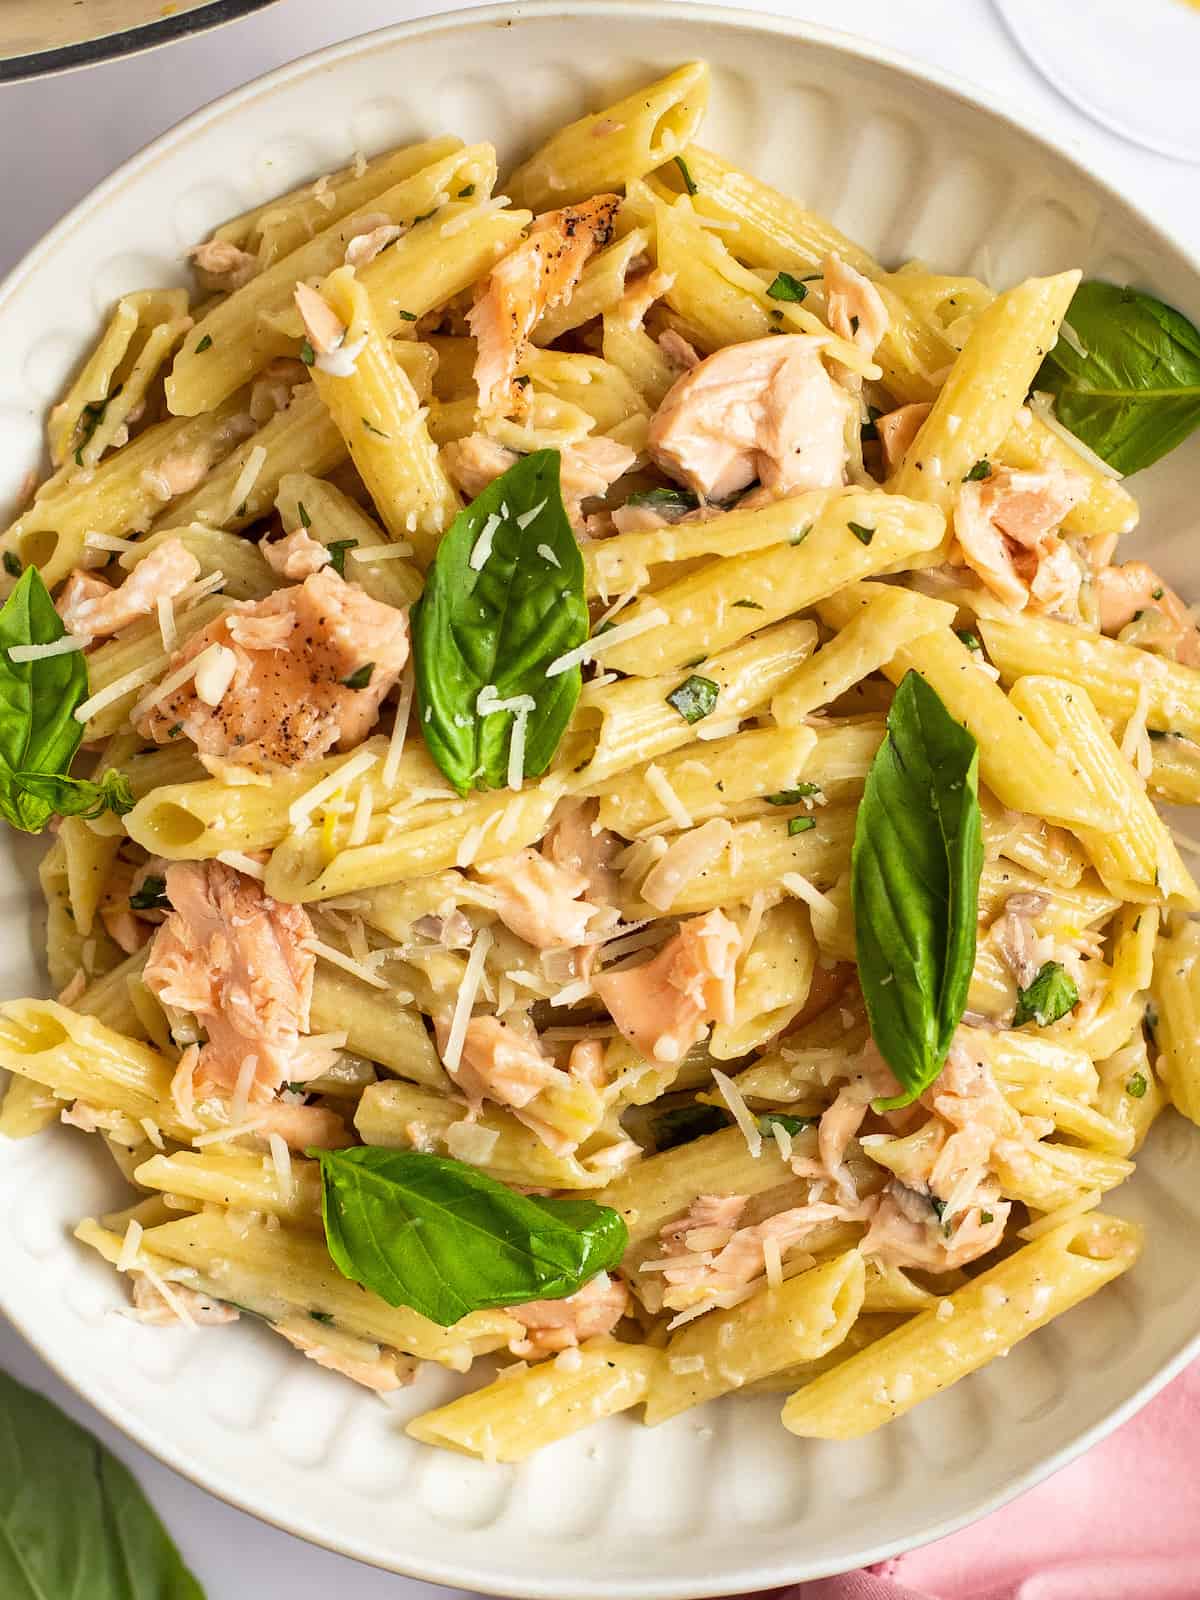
{"points": [[61, 136]]}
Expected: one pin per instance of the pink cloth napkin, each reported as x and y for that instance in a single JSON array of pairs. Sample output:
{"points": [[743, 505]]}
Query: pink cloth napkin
{"points": [[1122, 1523]]}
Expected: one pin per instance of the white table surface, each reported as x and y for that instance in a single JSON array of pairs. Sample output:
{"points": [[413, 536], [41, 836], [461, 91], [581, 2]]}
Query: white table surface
{"points": [[65, 134]]}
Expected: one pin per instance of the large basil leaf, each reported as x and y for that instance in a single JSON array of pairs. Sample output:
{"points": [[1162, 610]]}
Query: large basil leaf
{"points": [[918, 853], [1135, 393], [74, 1525], [444, 1238], [38, 731], [500, 627]]}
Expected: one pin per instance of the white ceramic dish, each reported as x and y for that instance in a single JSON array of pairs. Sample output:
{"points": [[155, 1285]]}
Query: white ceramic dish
{"points": [[719, 1501]]}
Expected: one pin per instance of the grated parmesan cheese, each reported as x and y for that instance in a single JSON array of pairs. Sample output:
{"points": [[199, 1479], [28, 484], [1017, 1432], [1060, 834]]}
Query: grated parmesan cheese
{"points": [[281, 1160], [215, 668], [362, 817], [381, 552], [107, 541], [660, 787], [470, 215], [233, 1131], [739, 1111], [118, 688], [240, 862], [591, 648], [165, 608], [804, 889], [67, 645], [151, 1130], [129, 1245], [468, 1141], [335, 958], [246, 479], [395, 749], [160, 1286], [772, 1261], [465, 1000], [304, 805], [482, 547]]}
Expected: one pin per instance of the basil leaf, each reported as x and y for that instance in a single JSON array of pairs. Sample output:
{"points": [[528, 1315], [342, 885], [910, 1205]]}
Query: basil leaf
{"points": [[73, 1520], [914, 884], [1050, 996], [682, 1124], [444, 1238], [38, 731], [1135, 393], [360, 677], [981, 470], [336, 549], [151, 896], [1136, 1086], [695, 698], [793, 797], [800, 825], [500, 626]]}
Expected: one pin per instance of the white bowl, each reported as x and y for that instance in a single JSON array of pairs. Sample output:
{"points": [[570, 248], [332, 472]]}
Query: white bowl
{"points": [[722, 1500]]}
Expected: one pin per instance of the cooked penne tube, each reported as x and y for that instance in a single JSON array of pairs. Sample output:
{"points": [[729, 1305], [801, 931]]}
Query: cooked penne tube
{"points": [[1002, 1305], [1176, 998]]}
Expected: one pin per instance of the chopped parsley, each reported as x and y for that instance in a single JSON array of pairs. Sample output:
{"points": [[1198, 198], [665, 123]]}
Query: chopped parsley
{"points": [[325, 1317], [785, 287], [307, 354], [667, 499], [305, 519], [465, 194], [749, 605], [800, 825], [981, 470], [986, 1217], [175, 730], [337, 554], [793, 797], [371, 428], [12, 564], [971, 640], [801, 534], [1156, 594], [1050, 996], [204, 344], [1136, 1085], [425, 216], [689, 183], [695, 698], [151, 896], [360, 677], [793, 1125], [407, 316], [863, 534]]}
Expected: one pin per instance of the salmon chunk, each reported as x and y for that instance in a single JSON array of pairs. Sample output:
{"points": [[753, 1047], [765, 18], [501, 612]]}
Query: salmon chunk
{"points": [[1007, 524], [474, 462], [1134, 588], [897, 429], [587, 468], [554, 1325], [87, 605], [500, 1063], [540, 901], [767, 409], [532, 278], [235, 959], [665, 1005], [296, 556], [854, 307], [304, 670]]}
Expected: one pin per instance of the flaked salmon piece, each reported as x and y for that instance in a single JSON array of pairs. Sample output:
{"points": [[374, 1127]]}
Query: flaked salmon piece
{"points": [[186, 1306], [767, 409], [665, 1005], [474, 462], [553, 1325], [1015, 935], [854, 307], [297, 687], [575, 841], [365, 246], [586, 1062], [677, 349], [235, 958], [221, 265], [540, 901], [907, 1231], [711, 1255], [121, 922], [383, 1373], [325, 329], [534, 277], [501, 1064], [1133, 587], [640, 294], [588, 469], [1007, 524], [81, 589], [271, 391], [297, 555], [897, 429], [1055, 581], [839, 1124], [302, 1127], [163, 574]]}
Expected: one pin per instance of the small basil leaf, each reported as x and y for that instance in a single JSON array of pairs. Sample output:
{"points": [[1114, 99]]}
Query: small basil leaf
{"points": [[1050, 996], [73, 1520], [498, 625], [1134, 393], [151, 895], [981, 470], [689, 183], [914, 883], [360, 677], [789, 1124], [682, 1124], [442, 1237], [793, 797], [1136, 1086], [77, 797], [337, 553], [800, 825]]}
